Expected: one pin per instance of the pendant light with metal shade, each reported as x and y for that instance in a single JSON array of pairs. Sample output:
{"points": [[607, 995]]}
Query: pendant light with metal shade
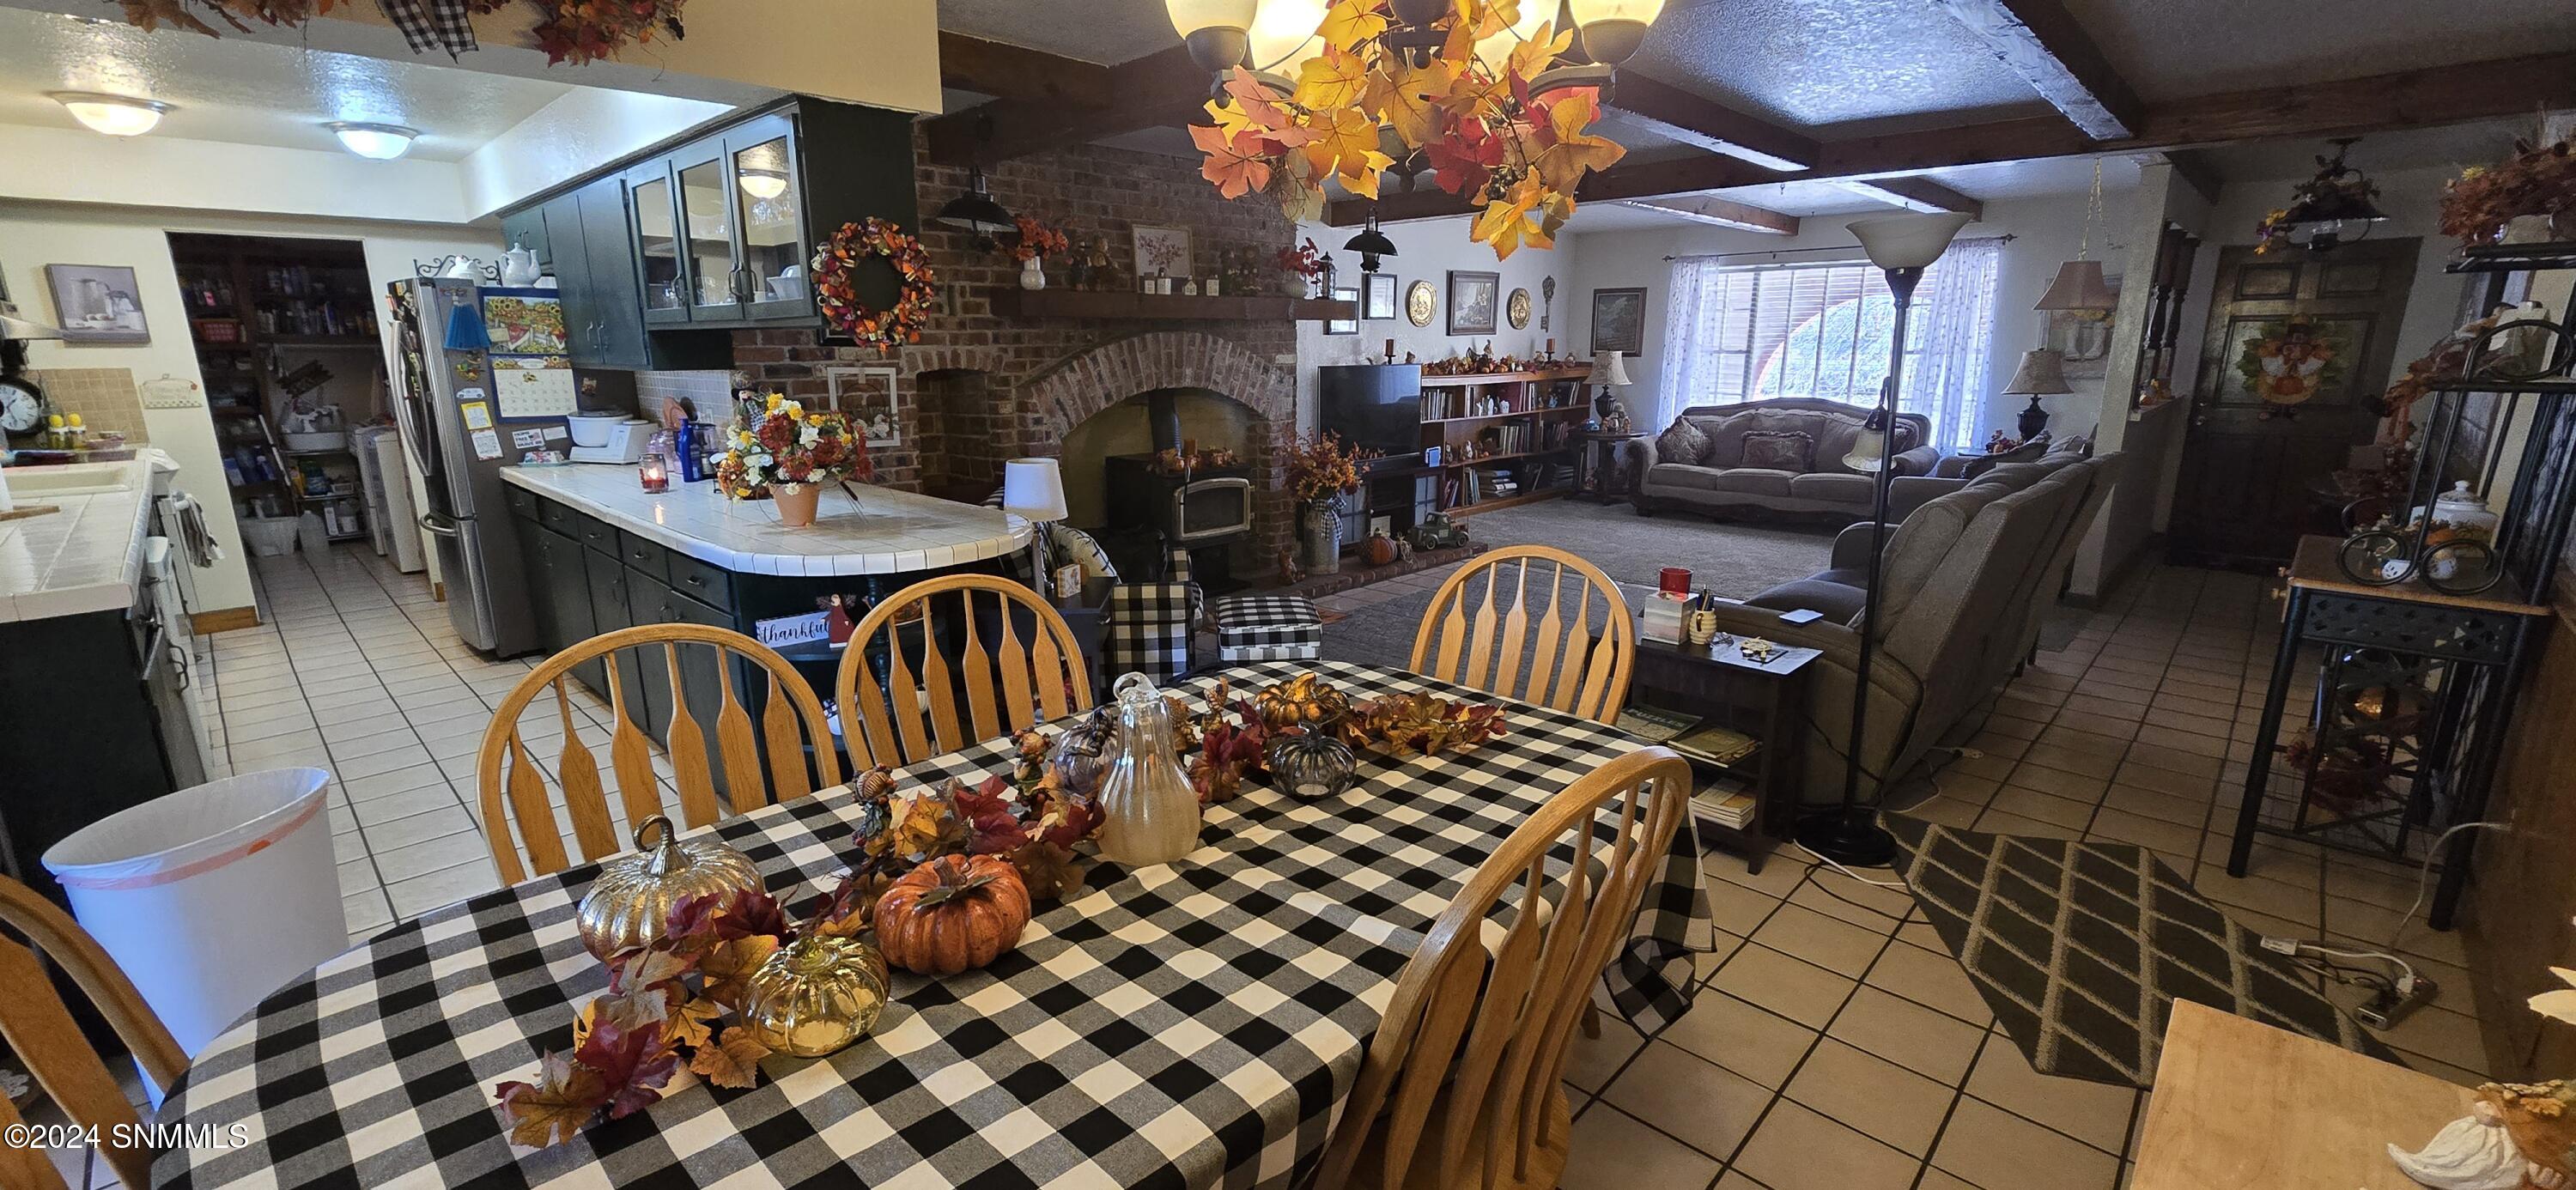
{"points": [[2080, 288], [975, 211], [1371, 244]]}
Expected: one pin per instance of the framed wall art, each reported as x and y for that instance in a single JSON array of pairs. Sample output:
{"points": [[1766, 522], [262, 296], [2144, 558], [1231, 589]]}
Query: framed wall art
{"points": [[97, 303], [1162, 251], [872, 397], [1377, 297], [1343, 326], [1474, 298], [1619, 320]]}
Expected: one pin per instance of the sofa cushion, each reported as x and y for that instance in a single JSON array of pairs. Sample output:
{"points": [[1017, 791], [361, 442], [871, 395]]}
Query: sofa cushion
{"points": [[1681, 442], [1753, 481], [1780, 450], [1854, 490], [2026, 452]]}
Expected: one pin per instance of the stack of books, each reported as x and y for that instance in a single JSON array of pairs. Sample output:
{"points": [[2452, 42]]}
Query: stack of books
{"points": [[1716, 745], [1727, 803], [1654, 725], [1661, 618]]}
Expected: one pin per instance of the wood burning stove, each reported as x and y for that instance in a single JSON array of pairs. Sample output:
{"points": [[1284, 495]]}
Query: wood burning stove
{"points": [[1196, 508]]}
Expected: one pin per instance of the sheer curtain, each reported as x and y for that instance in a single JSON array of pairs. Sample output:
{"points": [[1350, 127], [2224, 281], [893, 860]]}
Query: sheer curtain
{"points": [[1821, 329]]}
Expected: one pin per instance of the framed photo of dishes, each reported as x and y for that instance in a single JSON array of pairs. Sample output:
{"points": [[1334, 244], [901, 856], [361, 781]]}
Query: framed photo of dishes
{"points": [[98, 303]]}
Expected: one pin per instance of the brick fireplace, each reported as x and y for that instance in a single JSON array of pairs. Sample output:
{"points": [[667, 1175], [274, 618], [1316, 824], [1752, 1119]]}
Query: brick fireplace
{"points": [[981, 388]]}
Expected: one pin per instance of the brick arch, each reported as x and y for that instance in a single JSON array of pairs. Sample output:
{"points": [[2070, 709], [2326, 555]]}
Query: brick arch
{"points": [[1088, 381]]}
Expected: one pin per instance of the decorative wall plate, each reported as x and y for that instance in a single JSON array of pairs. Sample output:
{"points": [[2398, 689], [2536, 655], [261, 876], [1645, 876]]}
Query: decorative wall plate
{"points": [[1517, 308], [1420, 303]]}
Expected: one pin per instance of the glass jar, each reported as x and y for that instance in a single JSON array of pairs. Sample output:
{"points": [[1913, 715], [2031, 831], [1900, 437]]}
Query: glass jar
{"points": [[1150, 815]]}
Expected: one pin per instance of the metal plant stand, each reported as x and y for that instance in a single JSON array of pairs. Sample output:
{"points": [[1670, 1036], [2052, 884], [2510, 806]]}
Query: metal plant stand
{"points": [[2419, 632]]}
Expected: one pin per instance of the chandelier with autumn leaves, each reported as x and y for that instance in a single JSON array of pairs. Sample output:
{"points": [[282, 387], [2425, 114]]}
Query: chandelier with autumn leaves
{"points": [[1493, 99]]}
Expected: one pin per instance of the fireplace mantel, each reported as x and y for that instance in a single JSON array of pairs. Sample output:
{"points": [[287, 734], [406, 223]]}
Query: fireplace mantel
{"points": [[1076, 303]]}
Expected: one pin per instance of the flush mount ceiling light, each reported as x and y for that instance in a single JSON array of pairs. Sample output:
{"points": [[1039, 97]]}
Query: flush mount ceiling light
{"points": [[375, 142], [763, 183], [114, 115]]}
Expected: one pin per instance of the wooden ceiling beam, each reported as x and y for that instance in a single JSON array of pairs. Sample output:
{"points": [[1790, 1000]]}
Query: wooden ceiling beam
{"points": [[1006, 71], [2193, 167], [1162, 89], [1720, 212], [2405, 99], [1676, 114], [1920, 195], [2040, 41]]}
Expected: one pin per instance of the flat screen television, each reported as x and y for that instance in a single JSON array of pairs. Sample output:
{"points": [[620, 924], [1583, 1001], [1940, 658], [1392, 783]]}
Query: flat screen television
{"points": [[1374, 406]]}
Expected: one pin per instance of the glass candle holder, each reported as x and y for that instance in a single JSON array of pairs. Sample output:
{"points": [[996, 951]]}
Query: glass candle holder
{"points": [[654, 473]]}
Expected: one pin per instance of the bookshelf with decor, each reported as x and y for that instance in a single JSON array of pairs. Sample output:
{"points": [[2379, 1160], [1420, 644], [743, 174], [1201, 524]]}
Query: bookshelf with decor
{"points": [[1505, 438]]}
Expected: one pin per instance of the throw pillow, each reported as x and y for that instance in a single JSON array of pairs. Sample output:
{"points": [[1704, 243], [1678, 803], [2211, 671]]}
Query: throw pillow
{"points": [[1681, 443], [2026, 452], [1782, 450]]}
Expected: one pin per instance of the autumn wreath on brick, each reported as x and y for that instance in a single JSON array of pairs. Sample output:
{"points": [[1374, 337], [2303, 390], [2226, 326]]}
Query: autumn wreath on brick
{"points": [[835, 267]]}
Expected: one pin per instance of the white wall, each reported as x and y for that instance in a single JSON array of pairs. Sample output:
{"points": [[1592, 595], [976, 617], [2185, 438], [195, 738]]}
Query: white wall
{"points": [[2048, 231], [33, 235], [77, 165], [584, 129]]}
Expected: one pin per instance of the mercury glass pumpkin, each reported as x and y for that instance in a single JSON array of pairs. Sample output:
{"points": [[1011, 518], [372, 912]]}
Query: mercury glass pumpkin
{"points": [[1150, 814], [1312, 764], [632, 896], [816, 996], [1082, 753]]}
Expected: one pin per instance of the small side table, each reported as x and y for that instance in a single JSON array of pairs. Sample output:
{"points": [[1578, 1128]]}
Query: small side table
{"points": [[1597, 475], [1764, 701]]}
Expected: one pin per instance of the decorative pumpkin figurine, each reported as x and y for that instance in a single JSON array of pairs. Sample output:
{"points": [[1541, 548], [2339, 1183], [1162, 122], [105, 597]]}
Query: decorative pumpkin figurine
{"points": [[1310, 763], [632, 896], [1381, 550], [816, 996], [1149, 812], [1082, 754], [954, 913], [1306, 700]]}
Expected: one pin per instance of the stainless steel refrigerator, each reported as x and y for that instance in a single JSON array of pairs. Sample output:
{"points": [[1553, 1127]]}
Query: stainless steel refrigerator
{"points": [[454, 431]]}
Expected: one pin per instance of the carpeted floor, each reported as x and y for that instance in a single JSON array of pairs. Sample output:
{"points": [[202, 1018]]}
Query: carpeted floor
{"points": [[1735, 560]]}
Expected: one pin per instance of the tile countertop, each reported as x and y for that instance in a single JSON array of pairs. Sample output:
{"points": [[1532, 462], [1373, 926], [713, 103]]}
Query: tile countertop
{"points": [[86, 558], [888, 532]]}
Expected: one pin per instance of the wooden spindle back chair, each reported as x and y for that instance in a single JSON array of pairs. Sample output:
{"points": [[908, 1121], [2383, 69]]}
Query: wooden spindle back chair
{"points": [[1564, 666], [1463, 1084], [1008, 686], [40, 1030], [792, 719]]}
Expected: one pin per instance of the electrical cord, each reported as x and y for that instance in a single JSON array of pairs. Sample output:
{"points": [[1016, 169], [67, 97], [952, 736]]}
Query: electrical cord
{"points": [[2424, 875]]}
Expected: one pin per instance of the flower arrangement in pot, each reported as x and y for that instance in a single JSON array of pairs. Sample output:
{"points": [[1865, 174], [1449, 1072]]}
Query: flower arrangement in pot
{"points": [[2530, 196], [1320, 471], [1309, 264], [1035, 243], [779, 447]]}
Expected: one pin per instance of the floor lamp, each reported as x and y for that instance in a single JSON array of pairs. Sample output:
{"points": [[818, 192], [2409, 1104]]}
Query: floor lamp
{"points": [[1903, 245]]}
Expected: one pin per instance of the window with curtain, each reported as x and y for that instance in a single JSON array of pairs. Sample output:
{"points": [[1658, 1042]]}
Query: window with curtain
{"points": [[1823, 329]]}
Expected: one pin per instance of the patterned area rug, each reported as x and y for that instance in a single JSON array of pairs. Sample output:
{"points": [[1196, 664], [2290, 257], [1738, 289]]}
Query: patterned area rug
{"points": [[2082, 948]]}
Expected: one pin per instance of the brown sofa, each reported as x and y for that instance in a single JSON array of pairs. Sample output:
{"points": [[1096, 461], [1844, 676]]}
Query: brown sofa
{"points": [[1783, 455]]}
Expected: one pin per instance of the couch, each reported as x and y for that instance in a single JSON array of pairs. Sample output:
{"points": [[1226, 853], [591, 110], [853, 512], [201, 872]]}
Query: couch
{"points": [[1959, 608], [1783, 455]]}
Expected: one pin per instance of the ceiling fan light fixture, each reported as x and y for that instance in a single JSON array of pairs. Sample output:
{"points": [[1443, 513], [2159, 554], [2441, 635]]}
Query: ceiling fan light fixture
{"points": [[111, 115], [1282, 34], [1219, 32], [375, 142]]}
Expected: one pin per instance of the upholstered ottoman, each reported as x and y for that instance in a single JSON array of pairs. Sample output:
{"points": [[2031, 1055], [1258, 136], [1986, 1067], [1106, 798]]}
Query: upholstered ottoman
{"points": [[1151, 624], [1268, 628]]}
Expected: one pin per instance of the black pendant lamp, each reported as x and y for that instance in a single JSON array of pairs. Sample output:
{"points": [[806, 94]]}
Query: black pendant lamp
{"points": [[975, 211], [1371, 244]]}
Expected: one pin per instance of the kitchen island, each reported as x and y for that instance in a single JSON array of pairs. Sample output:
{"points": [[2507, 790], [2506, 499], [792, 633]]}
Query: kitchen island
{"points": [[601, 554]]}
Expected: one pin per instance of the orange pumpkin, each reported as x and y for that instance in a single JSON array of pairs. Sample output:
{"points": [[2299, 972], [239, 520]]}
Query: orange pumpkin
{"points": [[954, 913], [1380, 550]]}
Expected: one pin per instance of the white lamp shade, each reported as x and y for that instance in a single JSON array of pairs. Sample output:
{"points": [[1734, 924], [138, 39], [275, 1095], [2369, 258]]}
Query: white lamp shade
{"points": [[1033, 488], [2079, 286], [1907, 241], [113, 115], [1610, 368], [2042, 373], [1588, 11], [375, 142], [1866, 452], [1190, 16], [1283, 33]]}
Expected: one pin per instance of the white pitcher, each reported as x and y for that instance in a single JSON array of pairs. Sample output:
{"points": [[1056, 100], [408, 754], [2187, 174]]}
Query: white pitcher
{"points": [[1150, 813], [518, 266]]}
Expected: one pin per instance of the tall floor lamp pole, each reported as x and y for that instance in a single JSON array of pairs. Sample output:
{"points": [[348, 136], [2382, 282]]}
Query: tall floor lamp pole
{"points": [[1903, 246]]}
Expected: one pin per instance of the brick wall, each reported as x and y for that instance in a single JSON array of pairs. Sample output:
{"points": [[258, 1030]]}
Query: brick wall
{"points": [[979, 389]]}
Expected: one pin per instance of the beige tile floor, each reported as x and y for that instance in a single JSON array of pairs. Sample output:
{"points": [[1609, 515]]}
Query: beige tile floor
{"points": [[1834, 1043]]}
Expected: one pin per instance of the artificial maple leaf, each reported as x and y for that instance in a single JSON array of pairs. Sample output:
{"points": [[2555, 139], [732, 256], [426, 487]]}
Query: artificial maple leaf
{"points": [[1505, 223], [552, 1109], [1532, 57], [1331, 79], [752, 912], [692, 919], [1571, 152], [1258, 104], [635, 1063], [1293, 185], [1352, 23], [1463, 162], [728, 967], [733, 1063], [1345, 146], [925, 825], [646, 967], [1406, 97], [634, 1010], [687, 1022], [1048, 870], [992, 829], [848, 912]]}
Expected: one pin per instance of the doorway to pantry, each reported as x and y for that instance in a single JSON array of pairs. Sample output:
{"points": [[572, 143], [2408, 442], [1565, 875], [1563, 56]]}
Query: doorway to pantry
{"points": [[286, 336]]}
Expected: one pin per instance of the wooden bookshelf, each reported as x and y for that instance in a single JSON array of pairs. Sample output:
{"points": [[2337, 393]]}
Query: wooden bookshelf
{"points": [[1078, 303], [1578, 372], [1535, 426]]}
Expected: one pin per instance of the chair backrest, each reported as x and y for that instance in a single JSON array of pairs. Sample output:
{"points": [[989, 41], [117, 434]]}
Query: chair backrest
{"points": [[791, 719], [40, 1030], [1564, 666], [1484, 1012], [915, 715]]}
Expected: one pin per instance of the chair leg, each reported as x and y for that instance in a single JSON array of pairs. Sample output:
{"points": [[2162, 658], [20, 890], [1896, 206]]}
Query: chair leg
{"points": [[1592, 1020]]}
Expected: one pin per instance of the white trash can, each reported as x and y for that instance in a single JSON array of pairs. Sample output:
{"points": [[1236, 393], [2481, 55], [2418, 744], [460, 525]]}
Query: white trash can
{"points": [[212, 897]]}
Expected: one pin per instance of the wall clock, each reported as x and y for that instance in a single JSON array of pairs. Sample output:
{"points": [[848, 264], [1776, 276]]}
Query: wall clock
{"points": [[22, 405], [1420, 303], [1517, 308]]}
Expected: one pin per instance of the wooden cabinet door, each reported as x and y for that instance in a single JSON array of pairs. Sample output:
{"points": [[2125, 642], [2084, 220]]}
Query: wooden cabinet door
{"points": [[571, 266], [2297, 351], [564, 604], [617, 296]]}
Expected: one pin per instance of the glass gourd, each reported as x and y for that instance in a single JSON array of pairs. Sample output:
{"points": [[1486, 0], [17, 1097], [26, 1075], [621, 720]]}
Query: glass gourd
{"points": [[1150, 813]]}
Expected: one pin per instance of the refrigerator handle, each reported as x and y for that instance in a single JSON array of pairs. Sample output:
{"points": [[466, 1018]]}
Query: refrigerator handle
{"points": [[442, 526]]}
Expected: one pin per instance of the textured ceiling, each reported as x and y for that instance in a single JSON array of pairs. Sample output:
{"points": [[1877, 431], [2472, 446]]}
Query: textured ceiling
{"points": [[2448, 149], [1092, 30], [1814, 63], [2169, 49], [238, 91]]}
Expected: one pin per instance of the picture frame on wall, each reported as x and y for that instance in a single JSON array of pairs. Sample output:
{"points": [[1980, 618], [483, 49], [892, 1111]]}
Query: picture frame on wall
{"points": [[1343, 326], [1619, 320], [872, 397], [1162, 251], [2083, 337], [1377, 297], [98, 303], [1474, 300]]}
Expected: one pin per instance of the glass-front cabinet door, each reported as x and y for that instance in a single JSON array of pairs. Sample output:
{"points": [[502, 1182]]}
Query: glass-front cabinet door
{"points": [[770, 224], [658, 252], [706, 215]]}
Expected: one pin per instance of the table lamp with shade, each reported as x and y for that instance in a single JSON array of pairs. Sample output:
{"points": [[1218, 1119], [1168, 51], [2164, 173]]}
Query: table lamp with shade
{"points": [[2042, 374], [1902, 246], [1610, 372], [1034, 489]]}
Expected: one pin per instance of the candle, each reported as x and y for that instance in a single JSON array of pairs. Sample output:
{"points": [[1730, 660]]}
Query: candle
{"points": [[654, 473]]}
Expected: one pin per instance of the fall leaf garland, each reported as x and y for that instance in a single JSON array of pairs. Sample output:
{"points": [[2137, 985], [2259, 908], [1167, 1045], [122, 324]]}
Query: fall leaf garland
{"points": [[837, 259]]}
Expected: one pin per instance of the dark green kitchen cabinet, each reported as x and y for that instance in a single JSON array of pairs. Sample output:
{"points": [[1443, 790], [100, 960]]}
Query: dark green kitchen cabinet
{"points": [[593, 261], [527, 229]]}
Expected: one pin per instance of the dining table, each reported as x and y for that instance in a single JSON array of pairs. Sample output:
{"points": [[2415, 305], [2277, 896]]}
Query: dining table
{"points": [[1191, 1024]]}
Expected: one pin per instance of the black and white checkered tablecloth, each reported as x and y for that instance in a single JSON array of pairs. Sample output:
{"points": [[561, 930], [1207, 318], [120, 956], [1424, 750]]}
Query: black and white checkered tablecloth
{"points": [[1195, 1024]]}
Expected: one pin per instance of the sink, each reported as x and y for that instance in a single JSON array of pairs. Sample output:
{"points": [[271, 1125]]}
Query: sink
{"points": [[67, 479]]}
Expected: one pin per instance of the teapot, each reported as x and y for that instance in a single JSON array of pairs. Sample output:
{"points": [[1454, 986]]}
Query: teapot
{"points": [[518, 266]]}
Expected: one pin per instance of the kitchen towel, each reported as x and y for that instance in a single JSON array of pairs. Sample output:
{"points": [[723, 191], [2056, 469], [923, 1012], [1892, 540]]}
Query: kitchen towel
{"points": [[432, 24]]}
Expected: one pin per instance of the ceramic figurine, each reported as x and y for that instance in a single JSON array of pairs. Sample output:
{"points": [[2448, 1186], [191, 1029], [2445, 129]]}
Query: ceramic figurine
{"points": [[2517, 1136]]}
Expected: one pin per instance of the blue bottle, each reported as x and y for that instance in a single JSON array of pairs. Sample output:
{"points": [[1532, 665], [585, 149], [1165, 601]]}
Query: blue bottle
{"points": [[692, 461]]}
